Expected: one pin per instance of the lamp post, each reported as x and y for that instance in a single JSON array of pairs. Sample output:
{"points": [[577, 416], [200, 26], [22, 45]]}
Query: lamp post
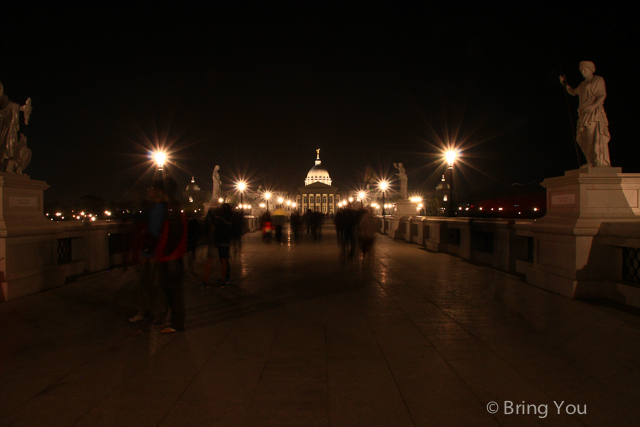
{"points": [[242, 186], [451, 158], [267, 196], [383, 186], [160, 157], [361, 197]]}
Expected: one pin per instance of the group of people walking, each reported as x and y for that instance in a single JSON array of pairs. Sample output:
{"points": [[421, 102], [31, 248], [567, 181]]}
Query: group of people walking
{"points": [[355, 229], [162, 235]]}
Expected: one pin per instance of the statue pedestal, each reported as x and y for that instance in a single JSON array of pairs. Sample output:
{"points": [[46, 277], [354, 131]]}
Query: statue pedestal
{"points": [[28, 243], [570, 256], [405, 208]]}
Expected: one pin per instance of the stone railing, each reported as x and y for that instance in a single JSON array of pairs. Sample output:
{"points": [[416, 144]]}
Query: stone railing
{"points": [[55, 252], [511, 245], [98, 245], [503, 244]]}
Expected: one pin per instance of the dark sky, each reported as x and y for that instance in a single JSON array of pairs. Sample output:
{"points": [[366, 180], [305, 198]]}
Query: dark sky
{"points": [[256, 87]]}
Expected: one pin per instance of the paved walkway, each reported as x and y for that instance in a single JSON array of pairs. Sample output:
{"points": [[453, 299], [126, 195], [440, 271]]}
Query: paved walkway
{"points": [[413, 339]]}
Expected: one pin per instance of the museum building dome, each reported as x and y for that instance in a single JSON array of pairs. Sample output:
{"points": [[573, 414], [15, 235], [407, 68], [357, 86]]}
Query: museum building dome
{"points": [[318, 173], [192, 185]]}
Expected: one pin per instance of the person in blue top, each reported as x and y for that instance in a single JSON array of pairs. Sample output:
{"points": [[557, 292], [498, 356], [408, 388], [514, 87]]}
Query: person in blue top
{"points": [[148, 285]]}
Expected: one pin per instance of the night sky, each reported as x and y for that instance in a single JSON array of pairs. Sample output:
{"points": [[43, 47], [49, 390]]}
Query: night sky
{"points": [[256, 87]]}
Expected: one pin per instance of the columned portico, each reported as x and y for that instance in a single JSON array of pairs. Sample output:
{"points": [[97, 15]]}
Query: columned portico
{"points": [[318, 197]]}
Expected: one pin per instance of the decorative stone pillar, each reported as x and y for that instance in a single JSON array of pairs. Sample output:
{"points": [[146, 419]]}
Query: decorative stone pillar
{"points": [[570, 257], [28, 241]]}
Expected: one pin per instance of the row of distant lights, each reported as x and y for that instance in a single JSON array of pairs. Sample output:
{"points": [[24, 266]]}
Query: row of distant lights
{"points": [[480, 208], [81, 216]]}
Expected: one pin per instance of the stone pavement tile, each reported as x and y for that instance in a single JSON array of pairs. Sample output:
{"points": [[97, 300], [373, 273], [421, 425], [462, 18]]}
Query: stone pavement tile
{"points": [[534, 361], [288, 413], [44, 412], [225, 386], [222, 365], [448, 407], [353, 346], [425, 311], [492, 379], [629, 331], [402, 332], [295, 333], [16, 391], [177, 359], [127, 411], [381, 414], [299, 390], [58, 362], [252, 337], [361, 381], [439, 331], [464, 348], [312, 366], [21, 352], [79, 386], [536, 414], [163, 388], [212, 412], [417, 363], [604, 406]]}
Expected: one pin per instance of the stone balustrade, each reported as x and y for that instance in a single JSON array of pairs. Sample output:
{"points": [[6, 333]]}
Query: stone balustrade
{"points": [[41, 261], [510, 245]]}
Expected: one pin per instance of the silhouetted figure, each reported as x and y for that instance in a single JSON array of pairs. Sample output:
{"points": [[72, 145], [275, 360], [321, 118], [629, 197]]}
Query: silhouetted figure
{"points": [[237, 230], [366, 234], [193, 234], [296, 224], [278, 222]]}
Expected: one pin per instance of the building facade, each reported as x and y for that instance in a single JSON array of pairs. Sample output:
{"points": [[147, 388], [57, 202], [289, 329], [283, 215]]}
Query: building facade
{"points": [[318, 194]]}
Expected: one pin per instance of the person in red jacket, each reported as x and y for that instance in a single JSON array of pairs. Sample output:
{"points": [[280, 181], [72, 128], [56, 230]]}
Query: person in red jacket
{"points": [[171, 249], [163, 249]]}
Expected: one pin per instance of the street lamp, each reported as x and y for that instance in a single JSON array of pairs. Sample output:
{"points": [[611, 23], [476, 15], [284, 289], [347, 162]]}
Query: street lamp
{"points": [[361, 196], [383, 186], [451, 156], [280, 201], [267, 197], [242, 186], [160, 157]]}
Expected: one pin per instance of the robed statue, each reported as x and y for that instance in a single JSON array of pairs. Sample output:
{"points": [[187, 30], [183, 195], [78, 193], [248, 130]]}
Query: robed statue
{"points": [[402, 175], [217, 184], [593, 127], [14, 154]]}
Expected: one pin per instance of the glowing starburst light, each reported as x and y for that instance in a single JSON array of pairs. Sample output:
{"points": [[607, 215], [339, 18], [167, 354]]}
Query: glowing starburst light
{"points": [[160, 157]]}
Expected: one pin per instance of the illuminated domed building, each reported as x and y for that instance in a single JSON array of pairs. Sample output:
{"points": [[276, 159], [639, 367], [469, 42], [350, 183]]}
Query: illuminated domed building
{"points": [[318, 194], [193, 196]]}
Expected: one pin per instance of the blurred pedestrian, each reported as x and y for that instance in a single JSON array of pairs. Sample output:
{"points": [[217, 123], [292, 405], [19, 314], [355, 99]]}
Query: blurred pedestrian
{"points": [[265, 226], [278, 223], [296, 224], [366, 234], [172, 247], [193, 234], [237, 230]]}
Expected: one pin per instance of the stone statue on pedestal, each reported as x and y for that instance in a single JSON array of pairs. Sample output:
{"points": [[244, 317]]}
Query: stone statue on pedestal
{"points": [[402, 175], [593, 127], [14, 154], [217, 184]]}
